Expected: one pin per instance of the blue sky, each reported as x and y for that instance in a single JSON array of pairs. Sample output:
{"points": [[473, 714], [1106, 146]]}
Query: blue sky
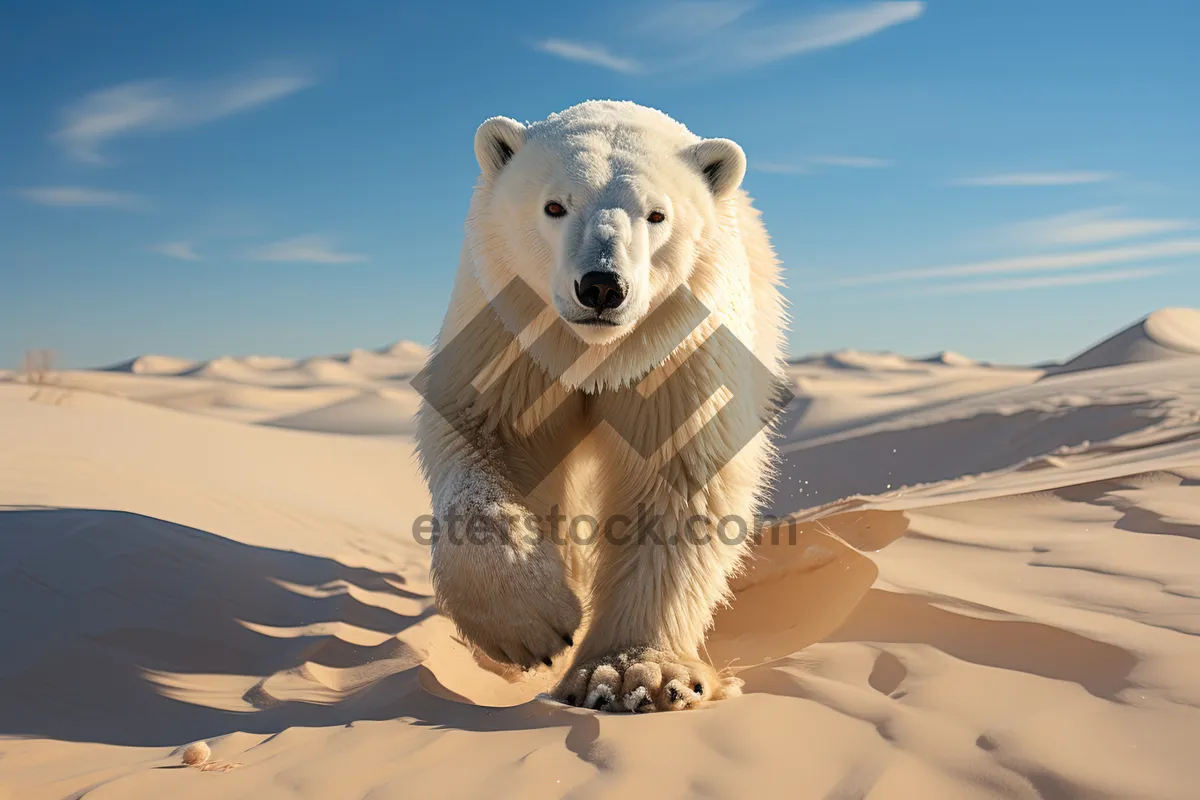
{"points": [[1008, 178]]}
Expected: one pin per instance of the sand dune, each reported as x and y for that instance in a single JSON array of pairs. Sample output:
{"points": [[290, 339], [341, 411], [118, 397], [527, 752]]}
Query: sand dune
{"points": [[950, 358], [1165, 334], [860, 360], [380, 412], [400, 360], [987, 584], [254, 403], [310, 372], [1035, 429], [153, 365], [363, 392]]}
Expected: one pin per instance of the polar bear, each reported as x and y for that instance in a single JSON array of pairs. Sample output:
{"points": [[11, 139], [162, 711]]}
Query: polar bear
{"points": [[611, 359]]}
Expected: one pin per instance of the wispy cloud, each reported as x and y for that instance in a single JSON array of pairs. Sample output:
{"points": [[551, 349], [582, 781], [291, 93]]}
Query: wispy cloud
{"points": [[593, 54], [779, 168], [727, 36], [693, 19], [807, 166], [81, 197], [1045, 282], [184, 251], [1035, 179], [312, 249], [1093, 226], [1171, 248], [160, 105], [853, 162], [791, 37]]}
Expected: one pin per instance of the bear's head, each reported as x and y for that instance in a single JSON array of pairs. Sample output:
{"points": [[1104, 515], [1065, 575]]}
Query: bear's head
{"points": [[604, 209]]}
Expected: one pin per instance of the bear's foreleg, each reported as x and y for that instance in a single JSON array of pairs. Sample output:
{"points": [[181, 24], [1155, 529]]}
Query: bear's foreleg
{"points": [[655, 588], [495, 574]]}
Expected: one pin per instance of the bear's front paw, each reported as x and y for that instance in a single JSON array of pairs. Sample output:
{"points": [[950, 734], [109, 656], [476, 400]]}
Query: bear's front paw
{"points": [[641, 679], [512, 602]]}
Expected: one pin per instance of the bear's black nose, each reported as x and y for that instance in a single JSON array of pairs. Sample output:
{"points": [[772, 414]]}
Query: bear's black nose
{"points": [[600, 290]]}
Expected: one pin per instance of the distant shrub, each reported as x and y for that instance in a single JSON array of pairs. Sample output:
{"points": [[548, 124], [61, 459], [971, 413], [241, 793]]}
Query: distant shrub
{"points": [[37, 370]]}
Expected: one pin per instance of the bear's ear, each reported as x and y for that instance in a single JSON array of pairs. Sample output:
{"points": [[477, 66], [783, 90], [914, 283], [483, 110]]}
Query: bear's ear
{"points": [[496, 141], [722, 163]]}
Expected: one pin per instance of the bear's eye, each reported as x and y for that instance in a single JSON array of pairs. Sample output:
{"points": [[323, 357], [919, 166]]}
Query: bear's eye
{"points": [[555, 210], [656, 217]]}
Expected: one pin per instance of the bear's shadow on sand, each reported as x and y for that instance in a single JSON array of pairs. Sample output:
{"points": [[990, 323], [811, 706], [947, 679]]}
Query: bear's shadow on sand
{"points": [[95, 604], [104, 613]]}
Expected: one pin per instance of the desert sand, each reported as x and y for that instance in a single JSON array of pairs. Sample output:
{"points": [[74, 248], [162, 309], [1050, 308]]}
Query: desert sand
{"points": [[987, 584]]}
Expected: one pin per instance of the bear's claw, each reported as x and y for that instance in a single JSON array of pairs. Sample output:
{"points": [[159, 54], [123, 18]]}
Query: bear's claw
{"points": [[642, 679]]}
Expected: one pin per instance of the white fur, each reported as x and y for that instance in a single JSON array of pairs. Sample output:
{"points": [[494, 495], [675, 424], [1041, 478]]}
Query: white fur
{"points": [[609, 164]]}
